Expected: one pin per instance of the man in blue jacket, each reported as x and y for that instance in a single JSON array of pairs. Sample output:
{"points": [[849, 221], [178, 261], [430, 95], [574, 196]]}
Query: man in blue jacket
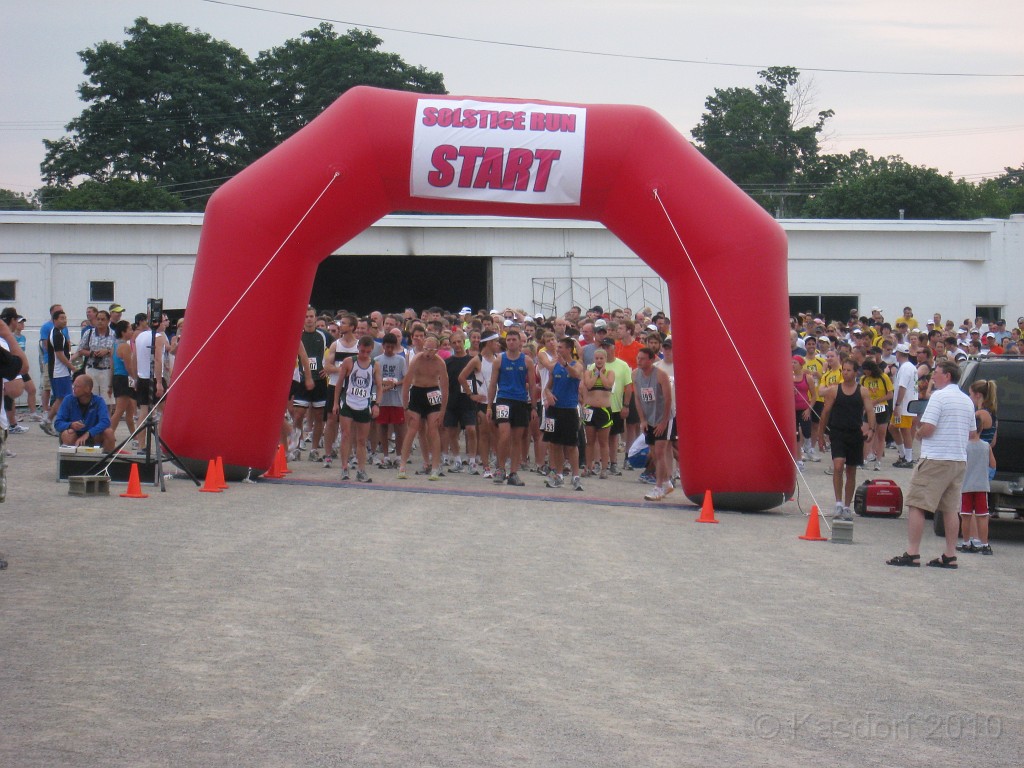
{"points": [[83, 418]]}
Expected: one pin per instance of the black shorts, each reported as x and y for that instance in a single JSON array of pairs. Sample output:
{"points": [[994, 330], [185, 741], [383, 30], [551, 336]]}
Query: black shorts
{"points": [[462, 414], [142, 393], [883, 417], [121, 386], [848, 444], [422, 400], [618, 425], [330, 400], [650, 438], [634, 413], [514, 412], [359, 417], [564, 424], [816, 410], [600, 418], [316, 397]]}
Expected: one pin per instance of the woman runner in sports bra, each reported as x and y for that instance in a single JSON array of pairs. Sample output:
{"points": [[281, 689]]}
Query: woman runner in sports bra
{"points": [[598, 382]]}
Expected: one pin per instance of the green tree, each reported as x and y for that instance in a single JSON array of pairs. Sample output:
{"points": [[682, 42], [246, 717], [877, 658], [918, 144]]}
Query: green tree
{"points": [[14, 201], [305, 75], [882, 188], [1003, 195], [113, 195], [168, 104], [755, 137]]}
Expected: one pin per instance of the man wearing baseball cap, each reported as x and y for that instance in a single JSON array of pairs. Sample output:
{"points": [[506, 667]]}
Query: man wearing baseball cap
{"points": [[905, 386]]}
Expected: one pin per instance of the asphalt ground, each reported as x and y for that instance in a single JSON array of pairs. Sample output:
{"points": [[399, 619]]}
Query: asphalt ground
{"points": [[459, 623]]}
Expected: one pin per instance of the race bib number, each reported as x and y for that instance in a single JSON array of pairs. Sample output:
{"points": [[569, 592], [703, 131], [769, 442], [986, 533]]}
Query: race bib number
{"points": [[313, 364], [647, 394], [501, 411], [548, 425], [434, 397], [880, 408], [588, 414], [359, 393]]}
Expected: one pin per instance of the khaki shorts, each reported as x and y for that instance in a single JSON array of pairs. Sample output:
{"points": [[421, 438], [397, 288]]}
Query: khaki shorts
{"points": [[102, 382], [905, 421], [935, 485]]}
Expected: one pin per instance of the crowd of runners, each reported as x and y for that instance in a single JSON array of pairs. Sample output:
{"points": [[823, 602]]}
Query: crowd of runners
{"points": [[495, 394]]}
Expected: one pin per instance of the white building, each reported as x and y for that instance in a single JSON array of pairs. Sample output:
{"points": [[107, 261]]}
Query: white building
{"points": [[956, 268]]}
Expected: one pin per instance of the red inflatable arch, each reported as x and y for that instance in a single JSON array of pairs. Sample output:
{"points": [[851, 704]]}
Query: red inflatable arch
{"points": [[390, 150]]}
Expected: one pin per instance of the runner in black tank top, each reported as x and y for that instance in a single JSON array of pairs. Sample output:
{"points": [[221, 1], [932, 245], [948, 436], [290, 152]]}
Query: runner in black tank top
{"points": [[846, 405]]}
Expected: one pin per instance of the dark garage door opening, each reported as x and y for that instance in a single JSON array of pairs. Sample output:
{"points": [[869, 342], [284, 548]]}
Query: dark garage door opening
{"points": [[392, 283]]}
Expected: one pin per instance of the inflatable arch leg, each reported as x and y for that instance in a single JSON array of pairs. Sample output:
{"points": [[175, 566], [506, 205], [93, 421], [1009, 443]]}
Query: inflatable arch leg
{"points": [[371, 153]]}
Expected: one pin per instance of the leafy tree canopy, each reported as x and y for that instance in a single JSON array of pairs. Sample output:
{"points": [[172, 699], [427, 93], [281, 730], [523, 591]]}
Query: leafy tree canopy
{"points": [[14, 201], [305, 75], [882, 188], [167, 104], [754, 135], [112, 195], [177, 107]]}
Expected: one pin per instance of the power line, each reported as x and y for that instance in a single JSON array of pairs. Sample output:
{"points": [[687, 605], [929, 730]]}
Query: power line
{"points": [[582, 52]]}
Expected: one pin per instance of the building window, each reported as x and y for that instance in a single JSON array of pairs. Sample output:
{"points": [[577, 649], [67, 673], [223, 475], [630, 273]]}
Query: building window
{"points": [[101, 290], [7, 290], [828, 308], [988, 313]]}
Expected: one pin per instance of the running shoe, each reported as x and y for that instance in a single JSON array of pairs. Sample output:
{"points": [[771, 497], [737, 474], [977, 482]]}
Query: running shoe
{"points": [[647, 477], [314, 455], [603, 474], [513, 479], [344, 476], [362, 477], [577, 485], [455, 466], [434, 476], [474, 468], [655, 494], [47, 427], [488, 473], [985, 549], [554, 481], [499, 476], [614, 469], [327, 461], [402, 475], [18, 429]]}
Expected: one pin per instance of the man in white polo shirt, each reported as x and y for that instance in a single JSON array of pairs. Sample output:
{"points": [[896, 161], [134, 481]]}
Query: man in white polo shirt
{"points": [[945, 427]]}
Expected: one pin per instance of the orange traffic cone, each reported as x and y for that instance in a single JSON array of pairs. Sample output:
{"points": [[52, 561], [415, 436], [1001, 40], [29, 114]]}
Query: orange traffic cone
{"points": [[283, 453], [221, 482], [134, 486], [707, 512], [276, 471], [813, 532], [210, 485]]}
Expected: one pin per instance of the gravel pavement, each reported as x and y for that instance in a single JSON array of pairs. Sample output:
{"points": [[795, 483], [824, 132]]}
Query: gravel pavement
{"points": [[459, 623]]}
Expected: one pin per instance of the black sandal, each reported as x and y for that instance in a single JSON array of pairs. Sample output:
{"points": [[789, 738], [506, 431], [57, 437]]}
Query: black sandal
{"points": [[908, 560], [943, 562]]}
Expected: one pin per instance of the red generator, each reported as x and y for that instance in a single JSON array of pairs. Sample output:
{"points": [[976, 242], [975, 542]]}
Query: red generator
{"points": [[878, 498]]}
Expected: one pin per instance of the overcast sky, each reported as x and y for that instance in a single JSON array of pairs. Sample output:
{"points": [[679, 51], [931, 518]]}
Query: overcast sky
{"points": [[969, 126]]}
